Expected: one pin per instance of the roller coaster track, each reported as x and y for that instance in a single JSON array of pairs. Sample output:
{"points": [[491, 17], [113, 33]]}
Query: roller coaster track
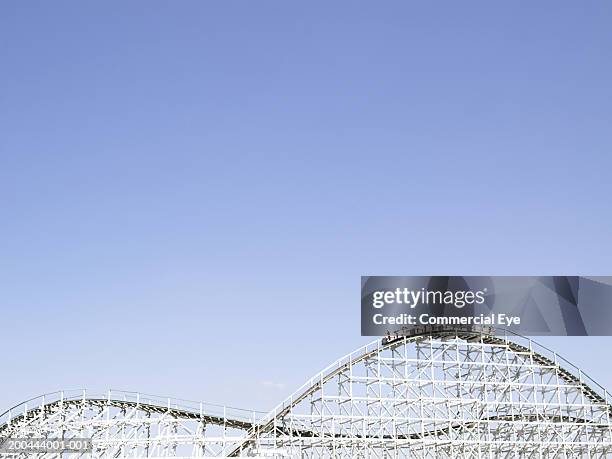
{"points": [[425, 333], [179, 413], [253, 427]]}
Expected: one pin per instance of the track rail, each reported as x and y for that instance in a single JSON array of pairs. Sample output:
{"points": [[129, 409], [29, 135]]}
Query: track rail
{"points": [[178, 409], [123, 404]]}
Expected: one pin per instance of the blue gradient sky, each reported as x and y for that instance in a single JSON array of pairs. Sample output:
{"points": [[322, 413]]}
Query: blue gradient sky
{"points": [[191, 191]]}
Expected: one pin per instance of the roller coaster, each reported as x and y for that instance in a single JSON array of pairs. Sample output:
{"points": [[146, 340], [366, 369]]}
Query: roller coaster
{"points": [[430, 393]]}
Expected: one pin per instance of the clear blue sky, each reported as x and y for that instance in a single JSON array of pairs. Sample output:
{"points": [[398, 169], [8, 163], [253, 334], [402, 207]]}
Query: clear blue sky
{"points": [[192, 190]]}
